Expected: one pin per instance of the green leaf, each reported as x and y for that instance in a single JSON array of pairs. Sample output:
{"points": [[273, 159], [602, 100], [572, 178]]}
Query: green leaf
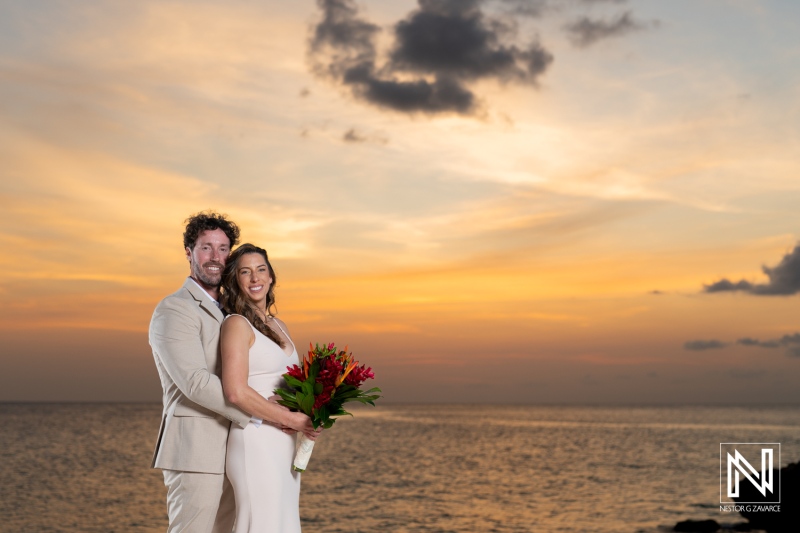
{"points": [[293, 381], [300, 399], [290, 405], [285, 394], [308, 388], [349, 394], [318, 388], [313, 372], [307, 404], [322, 413]]}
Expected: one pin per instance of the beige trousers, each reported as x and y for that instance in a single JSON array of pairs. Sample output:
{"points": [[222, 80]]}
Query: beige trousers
{"points": [[199, 503]]}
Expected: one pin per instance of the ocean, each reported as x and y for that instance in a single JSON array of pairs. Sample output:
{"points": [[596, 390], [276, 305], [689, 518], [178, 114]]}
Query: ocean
{"points": [[405, 468]]}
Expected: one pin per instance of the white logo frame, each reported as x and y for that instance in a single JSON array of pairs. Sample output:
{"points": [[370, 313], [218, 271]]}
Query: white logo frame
{"points": [[731, 465]]}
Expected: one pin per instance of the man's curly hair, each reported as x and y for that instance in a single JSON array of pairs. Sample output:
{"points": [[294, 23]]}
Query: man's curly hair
{"points": [[208, 221]]}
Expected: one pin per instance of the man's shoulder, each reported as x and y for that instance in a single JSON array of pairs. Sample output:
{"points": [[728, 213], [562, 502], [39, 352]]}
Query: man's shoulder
{"points": [[180, 299]]}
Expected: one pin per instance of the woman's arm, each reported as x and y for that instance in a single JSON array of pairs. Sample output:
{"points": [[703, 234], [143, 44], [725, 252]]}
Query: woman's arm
{"points": [[236, 338]]}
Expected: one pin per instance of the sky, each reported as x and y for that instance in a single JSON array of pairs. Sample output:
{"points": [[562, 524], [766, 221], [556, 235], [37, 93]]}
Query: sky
{"points": [[498, 201]]}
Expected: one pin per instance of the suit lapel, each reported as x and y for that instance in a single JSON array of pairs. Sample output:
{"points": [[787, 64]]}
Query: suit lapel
{"points": [[203, 299]]}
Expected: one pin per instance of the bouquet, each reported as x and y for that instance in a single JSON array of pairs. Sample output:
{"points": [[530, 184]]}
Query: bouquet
{"points": [[326, 381]]}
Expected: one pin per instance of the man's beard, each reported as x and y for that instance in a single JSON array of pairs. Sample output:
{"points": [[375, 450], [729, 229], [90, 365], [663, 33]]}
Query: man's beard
{"points": [[210, 280]]}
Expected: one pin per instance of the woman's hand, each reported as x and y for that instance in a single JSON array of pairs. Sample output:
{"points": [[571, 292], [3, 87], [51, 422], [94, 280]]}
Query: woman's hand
{"points": [[289, 431]]}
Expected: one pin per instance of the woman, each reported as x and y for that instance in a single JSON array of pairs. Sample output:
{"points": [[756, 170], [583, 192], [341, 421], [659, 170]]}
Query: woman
{"points": [[256, 349]]}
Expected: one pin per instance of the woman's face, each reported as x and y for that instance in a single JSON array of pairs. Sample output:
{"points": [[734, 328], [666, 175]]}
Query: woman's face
{"points": [[253, 277]]}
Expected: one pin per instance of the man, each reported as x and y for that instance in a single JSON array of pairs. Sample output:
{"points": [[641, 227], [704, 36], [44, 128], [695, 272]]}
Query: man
{"points": [[184, 335]]}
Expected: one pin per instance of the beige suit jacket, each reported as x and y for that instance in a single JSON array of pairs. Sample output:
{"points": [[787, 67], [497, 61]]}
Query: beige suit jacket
{"points": [[184, 335]]}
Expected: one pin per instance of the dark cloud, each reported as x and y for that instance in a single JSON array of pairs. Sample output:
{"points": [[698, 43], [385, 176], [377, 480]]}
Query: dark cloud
{"points": [[347, 39], [584, 31], [456, 39], [784, 279], [437, 50], [747, 341], [725, 285], [790, 342], [701, 345]]}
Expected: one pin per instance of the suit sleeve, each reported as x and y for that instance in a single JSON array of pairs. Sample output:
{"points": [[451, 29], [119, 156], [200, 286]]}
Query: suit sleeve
{"points": [[175, 336]]}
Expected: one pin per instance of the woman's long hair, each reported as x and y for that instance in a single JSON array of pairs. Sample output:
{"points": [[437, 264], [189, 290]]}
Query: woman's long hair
{"points": [[234, 302]]}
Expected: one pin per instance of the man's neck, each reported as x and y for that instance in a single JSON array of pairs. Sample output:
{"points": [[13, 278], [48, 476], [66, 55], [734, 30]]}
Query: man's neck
{"points": [[212, 291]]}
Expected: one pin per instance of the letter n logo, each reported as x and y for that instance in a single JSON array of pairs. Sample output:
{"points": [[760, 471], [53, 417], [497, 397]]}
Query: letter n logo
{"points": [[738, 459]]}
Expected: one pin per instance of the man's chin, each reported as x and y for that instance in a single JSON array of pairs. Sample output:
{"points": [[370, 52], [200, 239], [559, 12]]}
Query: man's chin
{"points": [[209, 282]]}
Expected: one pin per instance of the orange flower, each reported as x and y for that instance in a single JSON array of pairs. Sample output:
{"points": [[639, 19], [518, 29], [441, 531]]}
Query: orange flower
{"points": [[347, 370]]}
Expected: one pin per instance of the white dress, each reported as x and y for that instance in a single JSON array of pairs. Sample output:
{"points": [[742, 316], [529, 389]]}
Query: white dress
{"points": [[259, 459]]}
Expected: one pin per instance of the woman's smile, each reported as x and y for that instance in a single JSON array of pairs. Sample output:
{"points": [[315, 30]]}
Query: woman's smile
{"points": [[253, 276]]}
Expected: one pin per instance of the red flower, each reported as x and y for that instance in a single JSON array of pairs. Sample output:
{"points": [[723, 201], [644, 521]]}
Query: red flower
{"points": [[296, 372], [359, 375]]}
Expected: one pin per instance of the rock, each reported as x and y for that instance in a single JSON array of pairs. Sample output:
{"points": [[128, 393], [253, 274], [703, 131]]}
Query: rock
{"points": [[785, 521], [697, 526]]}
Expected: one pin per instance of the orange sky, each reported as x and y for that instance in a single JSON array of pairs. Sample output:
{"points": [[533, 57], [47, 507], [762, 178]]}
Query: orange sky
{"points": [[549, 244]]}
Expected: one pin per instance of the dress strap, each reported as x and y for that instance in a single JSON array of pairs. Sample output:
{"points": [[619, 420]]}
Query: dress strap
{"points": [[277, 323]]}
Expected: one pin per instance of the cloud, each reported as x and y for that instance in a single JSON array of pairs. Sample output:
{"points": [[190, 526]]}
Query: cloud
{"points": [[791, 342], [355, 136], [747, 341], [584, 31], [352, 136], [701, 345], [525, 8], [784, 279], [436, 52]]}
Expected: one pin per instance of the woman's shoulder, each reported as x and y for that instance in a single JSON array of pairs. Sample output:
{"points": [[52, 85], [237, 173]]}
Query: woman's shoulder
{"points": [[234, 321], [235, 329]]}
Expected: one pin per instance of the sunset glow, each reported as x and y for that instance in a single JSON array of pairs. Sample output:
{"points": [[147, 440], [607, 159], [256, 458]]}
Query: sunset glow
{"points": [[557, 240]]}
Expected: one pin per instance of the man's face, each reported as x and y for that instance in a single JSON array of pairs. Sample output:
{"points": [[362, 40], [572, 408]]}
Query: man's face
{"points": [[207, 259]]}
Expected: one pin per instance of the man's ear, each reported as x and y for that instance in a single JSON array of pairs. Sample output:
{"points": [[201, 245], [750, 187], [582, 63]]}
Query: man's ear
{"points": [[189, 254]]}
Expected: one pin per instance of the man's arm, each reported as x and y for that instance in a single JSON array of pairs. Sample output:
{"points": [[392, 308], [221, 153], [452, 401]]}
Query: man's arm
{"points": [[175, 338]]}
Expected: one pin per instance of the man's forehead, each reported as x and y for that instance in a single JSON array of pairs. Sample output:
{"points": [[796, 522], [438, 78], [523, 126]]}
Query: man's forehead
{"points": [[213, 236]]}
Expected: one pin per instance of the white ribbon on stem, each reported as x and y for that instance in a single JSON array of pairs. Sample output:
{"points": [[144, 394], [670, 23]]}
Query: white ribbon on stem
{"points": [[302, 452]]}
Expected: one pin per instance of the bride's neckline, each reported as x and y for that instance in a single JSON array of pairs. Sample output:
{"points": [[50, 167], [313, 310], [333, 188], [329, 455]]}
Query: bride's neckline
{"points": [[288, 338]]}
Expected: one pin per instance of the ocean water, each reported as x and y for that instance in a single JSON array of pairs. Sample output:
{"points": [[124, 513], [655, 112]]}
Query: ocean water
{"points": [[405, 468]]}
